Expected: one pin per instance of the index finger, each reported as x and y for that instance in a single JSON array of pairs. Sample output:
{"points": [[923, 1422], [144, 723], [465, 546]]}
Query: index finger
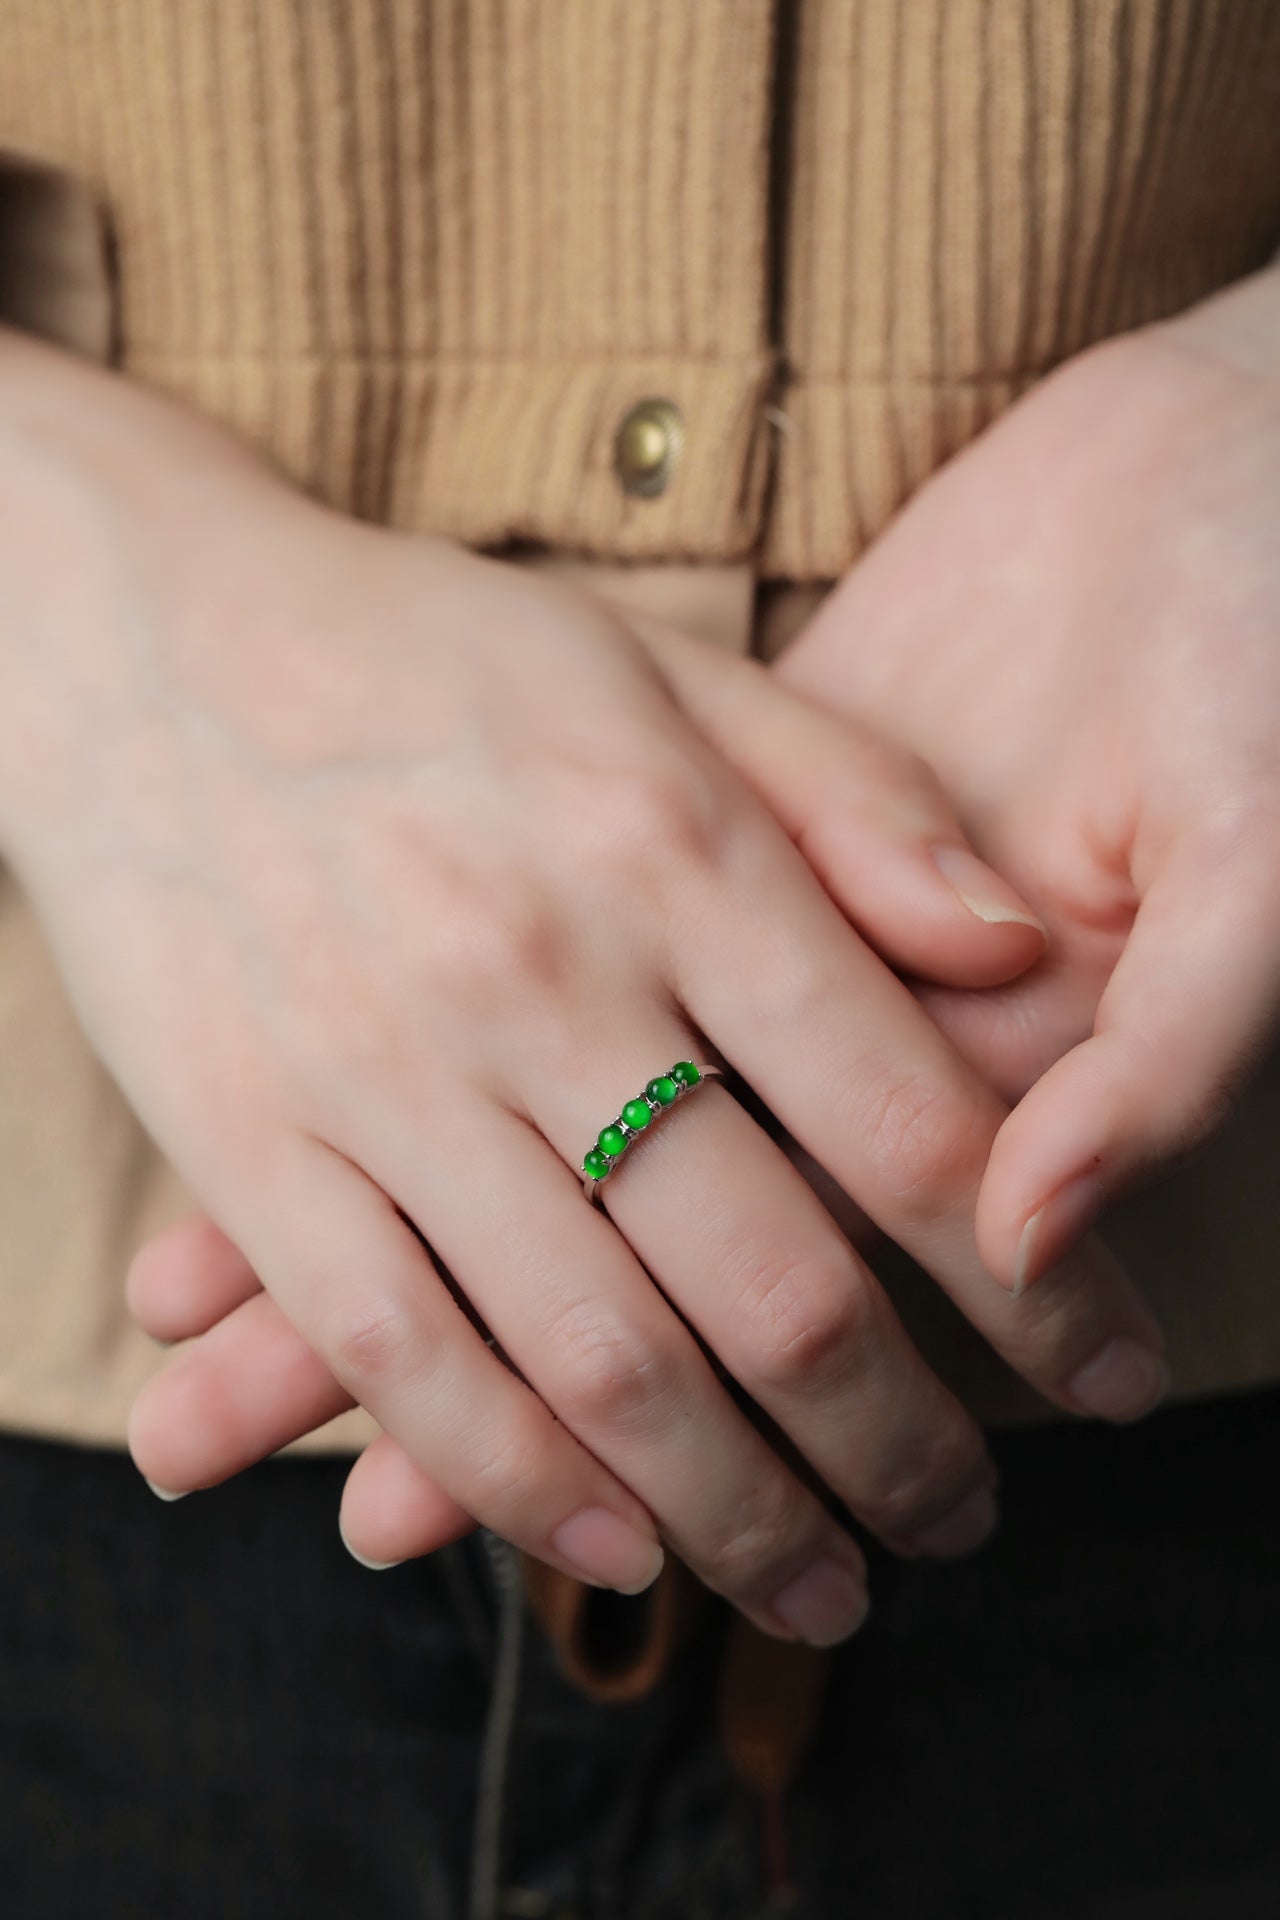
{"points": [[838, 1048]]}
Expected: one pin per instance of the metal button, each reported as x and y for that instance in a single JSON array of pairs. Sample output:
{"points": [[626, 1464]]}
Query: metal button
{"points": [[648, 447]]}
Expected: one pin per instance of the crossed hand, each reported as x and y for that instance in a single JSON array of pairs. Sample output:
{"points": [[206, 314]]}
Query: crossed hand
{"points": [[448, 862]]}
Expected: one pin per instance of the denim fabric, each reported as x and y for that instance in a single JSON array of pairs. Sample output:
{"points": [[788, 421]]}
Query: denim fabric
{"points": [[207, 1710]]}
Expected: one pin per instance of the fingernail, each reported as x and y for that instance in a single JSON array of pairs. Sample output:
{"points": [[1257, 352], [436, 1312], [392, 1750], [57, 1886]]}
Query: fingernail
{"points": [[981, 890], [163, 1493], [1123, 1380], [1054, 1228], [962, 1530], [608, 1552], [374, 1566], [826, 1604]]}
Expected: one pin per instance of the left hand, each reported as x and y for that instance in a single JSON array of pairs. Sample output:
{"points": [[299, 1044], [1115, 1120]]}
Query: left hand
{"points": [[1077, 624]]}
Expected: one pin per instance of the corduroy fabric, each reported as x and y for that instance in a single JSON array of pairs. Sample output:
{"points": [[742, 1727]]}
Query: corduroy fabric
{"points": [[427, 253]]}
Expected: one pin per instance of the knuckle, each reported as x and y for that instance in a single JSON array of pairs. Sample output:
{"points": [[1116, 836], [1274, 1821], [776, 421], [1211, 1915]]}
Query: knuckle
{"points": [[1063, 1320], [927, 1144], [508, 1472], [898, 772], [740, 1555], [934, 1482], [338, 1009], [805, 1320], [802, 986], [372, 1344], [662, 813], [913, 770], [342, 1003], [881, 786], [473, 917], [493, 936], [609, 1374]]}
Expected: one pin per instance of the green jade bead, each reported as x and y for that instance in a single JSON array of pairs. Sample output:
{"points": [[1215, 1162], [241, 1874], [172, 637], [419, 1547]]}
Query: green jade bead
{"points": [[596, 1164], [662, 1090], [613, 1141], [637, 1114], [686, 1073]]}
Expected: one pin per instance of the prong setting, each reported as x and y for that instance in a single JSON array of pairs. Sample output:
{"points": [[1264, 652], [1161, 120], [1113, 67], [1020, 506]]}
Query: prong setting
{"points": [[660, 1094]]}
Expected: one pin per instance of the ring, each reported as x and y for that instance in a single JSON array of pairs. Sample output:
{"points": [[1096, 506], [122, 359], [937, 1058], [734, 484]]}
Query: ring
{"points": [[663, 1092]]}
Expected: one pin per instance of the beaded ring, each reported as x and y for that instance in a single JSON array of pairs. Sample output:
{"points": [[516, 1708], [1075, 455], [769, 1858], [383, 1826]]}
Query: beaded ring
{"points": [[660, 1094]]}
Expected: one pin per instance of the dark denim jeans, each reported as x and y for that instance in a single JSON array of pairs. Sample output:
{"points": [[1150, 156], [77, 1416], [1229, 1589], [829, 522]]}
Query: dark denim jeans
{"points": [[207, 1710]]}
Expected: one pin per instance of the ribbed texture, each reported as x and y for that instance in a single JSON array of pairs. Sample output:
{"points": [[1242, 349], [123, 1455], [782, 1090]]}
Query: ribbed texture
{"points": [[979, 188], [427, 253]]}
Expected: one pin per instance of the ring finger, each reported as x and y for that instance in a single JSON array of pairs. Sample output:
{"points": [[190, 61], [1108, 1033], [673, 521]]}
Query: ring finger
{"points": [[748, 1255], [580, 1319], [579, 1316]]}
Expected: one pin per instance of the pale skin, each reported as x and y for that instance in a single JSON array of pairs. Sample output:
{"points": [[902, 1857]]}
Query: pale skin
{"points": [[1091, 662], [1076, 624], [378, 874]]}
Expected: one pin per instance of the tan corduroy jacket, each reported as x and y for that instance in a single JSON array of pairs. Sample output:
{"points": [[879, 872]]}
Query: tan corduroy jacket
{"points": [[431, 256]]}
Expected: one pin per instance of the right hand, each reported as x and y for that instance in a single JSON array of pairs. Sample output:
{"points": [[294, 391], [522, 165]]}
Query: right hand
{"points": [[379, 875]]}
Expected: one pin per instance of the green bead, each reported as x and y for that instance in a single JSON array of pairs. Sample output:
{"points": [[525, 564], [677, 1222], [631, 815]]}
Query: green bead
{"points": [[596, 1164], [637, 1114], [612, 1141], [662, 1090], [686, 1073]]}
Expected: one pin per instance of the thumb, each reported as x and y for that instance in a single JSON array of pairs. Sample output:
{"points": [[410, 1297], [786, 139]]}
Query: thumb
{"points": [[1189, 1006], [871, 819]]}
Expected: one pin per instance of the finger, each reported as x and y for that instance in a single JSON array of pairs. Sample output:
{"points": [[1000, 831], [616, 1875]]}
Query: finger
{"points": [[1013, 1034], [578, 1315], [364, 1295], [908, 1460], [186, 1279], [392, 1511], [245, 1388], [1190, 1004], [749, 1257], [250, 1386], [837, 1047], [871, 819]]}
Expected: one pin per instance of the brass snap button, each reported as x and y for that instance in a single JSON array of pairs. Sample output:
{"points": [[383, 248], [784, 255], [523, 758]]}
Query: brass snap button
{"points": [[648, 447]]}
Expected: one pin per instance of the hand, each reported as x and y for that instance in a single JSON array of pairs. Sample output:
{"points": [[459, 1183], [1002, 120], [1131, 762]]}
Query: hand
{"points": [[250, 1385], [1077, 623], [377, 873], [253, 1385]]}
